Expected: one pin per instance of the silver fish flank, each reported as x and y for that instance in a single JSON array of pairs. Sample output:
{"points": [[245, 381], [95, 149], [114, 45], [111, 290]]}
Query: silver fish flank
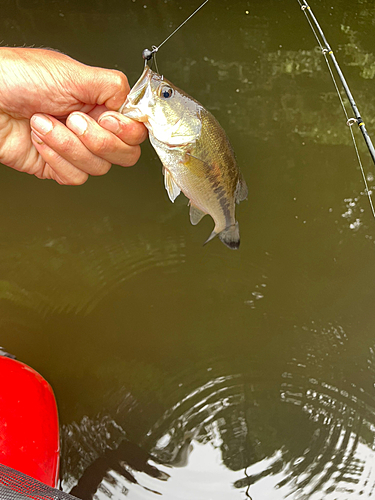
{"points": [[195, 152]]}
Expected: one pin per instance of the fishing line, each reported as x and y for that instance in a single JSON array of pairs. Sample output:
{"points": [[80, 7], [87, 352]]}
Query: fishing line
{"points": [[186, 20], [349, 121], [147, 54]]}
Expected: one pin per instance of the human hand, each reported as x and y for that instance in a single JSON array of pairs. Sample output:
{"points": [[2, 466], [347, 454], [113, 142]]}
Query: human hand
{"points": [[58, 118]]}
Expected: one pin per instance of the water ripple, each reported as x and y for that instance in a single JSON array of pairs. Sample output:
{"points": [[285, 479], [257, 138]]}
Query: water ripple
{"points": [[75, 273], [308, 433]]}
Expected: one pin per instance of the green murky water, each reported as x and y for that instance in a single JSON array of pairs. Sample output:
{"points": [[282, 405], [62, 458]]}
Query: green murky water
{"points": [[190, 371]]}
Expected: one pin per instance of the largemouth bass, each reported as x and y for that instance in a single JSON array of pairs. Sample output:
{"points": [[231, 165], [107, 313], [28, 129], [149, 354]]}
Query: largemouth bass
{"points": [[195, 152]]}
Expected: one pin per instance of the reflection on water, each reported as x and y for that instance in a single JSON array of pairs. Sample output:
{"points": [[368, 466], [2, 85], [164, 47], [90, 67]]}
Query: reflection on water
{"points": [[302, 435], [320, 120], [115, 466], [337, 458], [183, 372]]}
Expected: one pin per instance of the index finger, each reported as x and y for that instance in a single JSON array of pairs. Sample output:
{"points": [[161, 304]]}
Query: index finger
{"points": [[129, 131]]}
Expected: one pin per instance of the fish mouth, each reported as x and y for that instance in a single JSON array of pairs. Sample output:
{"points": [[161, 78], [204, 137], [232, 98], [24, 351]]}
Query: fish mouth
{"points": [[139, 88]]}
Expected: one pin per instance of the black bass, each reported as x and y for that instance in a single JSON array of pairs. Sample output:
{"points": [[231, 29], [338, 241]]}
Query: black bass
{"points": [[195, 152]]}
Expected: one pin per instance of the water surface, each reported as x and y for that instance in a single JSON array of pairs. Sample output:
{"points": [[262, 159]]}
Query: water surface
{"points": [[197, 372]]}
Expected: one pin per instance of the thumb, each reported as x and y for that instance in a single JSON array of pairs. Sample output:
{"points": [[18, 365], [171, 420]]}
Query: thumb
{"points": [[101, 86]]}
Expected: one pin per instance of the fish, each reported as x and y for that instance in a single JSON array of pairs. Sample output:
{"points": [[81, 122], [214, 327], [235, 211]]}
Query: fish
{"points": [[195, 151]]}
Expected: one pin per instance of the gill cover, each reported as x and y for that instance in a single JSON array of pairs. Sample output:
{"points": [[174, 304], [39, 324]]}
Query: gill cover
{"points": [[172, 117]]}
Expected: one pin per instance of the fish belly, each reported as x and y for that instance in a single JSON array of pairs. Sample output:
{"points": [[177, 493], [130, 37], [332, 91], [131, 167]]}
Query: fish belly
{"points": [[206, 178], [204, 191]]}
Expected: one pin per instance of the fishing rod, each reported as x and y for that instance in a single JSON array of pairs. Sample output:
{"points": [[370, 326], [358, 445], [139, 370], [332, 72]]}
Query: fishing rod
{"points": [[326, 49]]}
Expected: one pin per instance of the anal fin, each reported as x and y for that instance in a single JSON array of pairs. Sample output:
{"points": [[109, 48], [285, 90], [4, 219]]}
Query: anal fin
{"points": [[196, 214], [211, 237], [172, 189]]}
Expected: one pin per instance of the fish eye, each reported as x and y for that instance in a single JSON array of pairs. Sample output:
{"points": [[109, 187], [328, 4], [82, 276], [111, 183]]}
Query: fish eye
{"points": [[166, 92]]}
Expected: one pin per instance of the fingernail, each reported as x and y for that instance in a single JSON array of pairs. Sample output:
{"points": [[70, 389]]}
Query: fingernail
{"points": [[110, 123], [41, 124], [77, 124], [36, 138]]}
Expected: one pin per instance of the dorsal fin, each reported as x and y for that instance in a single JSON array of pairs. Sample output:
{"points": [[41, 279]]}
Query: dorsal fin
{"points": [[241, 190]]}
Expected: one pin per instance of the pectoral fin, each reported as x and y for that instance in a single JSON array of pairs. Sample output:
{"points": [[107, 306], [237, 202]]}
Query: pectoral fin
{"points": [[172, 189], [196, 215], [203, 164]]}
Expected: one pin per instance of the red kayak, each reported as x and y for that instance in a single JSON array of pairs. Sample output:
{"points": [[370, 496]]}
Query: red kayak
{"points": [[29, 427]]}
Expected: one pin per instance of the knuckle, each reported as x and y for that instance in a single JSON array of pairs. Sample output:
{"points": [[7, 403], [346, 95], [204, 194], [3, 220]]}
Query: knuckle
{"points": [[102, 145], [133, 133], [122, 80], [68, 145], [60, 169], [143, 134], [50, 156], [133, 157], [103, 168], [76, 179]]}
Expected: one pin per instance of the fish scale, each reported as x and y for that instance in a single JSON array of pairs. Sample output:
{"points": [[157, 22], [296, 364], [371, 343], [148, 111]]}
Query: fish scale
{"points": [[195, 152]]}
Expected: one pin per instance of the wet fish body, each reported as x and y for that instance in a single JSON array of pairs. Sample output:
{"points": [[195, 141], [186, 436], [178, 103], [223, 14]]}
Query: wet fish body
{"points": [[195, 152]]}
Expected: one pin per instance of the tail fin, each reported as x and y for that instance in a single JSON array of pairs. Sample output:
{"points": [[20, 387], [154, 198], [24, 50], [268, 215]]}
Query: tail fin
{"points": [[230, 236]]}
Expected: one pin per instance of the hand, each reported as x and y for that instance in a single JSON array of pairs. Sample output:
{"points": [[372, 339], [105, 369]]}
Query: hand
{"points": [[58, 118]]}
